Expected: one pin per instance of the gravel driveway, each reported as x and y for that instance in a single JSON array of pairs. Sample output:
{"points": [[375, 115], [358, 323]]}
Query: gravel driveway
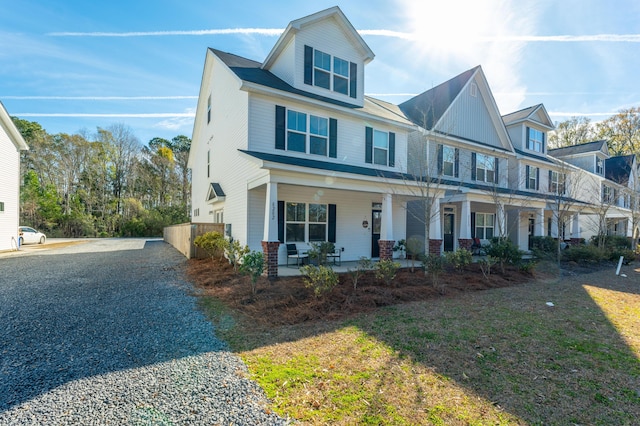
{"points": [[105, 332]]}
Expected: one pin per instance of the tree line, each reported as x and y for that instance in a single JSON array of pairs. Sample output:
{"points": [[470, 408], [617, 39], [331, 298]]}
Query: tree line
{"points": [[102, 184]]}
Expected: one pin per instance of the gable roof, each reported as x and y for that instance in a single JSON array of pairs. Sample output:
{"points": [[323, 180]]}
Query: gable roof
{"points": [[298, 24], [12, 131], [618, 169], [530, 114], [250, 71], [582, 148], [215, 193], [427, 108]]}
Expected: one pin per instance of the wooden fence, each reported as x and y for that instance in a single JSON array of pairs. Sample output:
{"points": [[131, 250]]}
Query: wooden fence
{"points": [[181, 237]]}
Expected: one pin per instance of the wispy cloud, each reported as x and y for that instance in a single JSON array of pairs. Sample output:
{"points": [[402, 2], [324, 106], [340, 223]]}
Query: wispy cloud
{"points": [[175, 123], [224, 31], [98, 98], [108, 115], [581, 114]]}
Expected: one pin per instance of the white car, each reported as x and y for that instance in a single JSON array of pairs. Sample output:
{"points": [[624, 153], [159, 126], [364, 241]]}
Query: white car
{"points": [[27, 235]]}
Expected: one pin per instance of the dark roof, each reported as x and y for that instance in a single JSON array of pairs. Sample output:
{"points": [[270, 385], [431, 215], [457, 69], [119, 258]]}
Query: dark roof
{"points": [[532, 155], [428, 107], [578, 149], [519, 115], [251, 71], [216, 190], [387, 174], [618, 169]]}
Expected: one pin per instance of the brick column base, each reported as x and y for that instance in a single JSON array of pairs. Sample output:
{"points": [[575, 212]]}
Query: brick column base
{"points": [[465, 243], [386, 249], [270, 251], [435, 247]]}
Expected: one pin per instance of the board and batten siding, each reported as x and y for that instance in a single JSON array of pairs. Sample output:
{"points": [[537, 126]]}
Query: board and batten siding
{"points": [[351, 133], [9, 191]]}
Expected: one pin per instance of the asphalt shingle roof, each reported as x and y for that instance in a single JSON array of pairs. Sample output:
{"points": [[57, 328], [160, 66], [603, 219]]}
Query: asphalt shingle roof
{"points": [[578, 149], [618, 169]]}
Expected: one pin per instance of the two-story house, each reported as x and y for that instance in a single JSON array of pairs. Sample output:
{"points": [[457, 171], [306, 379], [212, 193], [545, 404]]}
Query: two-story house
{"points": [[11, 143]]}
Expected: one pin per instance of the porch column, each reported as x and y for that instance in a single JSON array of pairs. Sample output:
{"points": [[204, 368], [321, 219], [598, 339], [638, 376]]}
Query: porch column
{"points": [[538, 229], [386, 240], [554, 227], [465, 241], [575, 229], [501, 221], [270, 241], [435, 230]]}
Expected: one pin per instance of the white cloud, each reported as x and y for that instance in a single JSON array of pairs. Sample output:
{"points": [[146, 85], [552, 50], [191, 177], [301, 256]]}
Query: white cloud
{"points": [[181, 122], [99, 98], [108, 115], [224, 31]]}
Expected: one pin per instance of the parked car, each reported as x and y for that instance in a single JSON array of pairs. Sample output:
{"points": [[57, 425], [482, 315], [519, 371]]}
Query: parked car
{"points": [[28, 235]]}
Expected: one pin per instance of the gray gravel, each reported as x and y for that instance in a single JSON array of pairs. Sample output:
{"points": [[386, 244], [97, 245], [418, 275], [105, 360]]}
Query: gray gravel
{"points": [[113, 337]]}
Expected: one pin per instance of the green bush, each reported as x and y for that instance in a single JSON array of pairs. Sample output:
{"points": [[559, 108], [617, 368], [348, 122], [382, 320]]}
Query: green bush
{"points": [[386, 270], [584, 253], [504, 251], [544, 247], [458, 259], [433, 265], [211, 242], [235, 252], [322, 279], [364, 264], [319, 251], [612, 241], [253, 265], [628, 254], [485, 266]]}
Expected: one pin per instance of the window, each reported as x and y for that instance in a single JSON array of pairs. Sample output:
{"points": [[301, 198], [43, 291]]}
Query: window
{"points": [[209, 109], [607, 194], [448, 160], [473, 90], [535, 140], [532, 177], [196, 212], [485, 168], [329, 72], [380, 147], [318, 130], [298, 223], [318, 135], [209, 163], [218, 216], [557, 182], [484, 226], [1, 206], [599, 166]]}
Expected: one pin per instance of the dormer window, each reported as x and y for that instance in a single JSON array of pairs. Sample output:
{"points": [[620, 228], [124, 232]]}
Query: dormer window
{"points": [[599, 166], [330, 72], [535, 140]]}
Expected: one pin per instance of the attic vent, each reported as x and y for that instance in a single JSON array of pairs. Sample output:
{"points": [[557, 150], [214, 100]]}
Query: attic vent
{"points": [[473, 90]]}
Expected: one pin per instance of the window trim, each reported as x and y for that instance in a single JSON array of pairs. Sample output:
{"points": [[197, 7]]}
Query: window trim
{"points": [[312, 68], [484, 227], [557, 182], [484, 170], [599, 166], [532, 142], [307, 222], [307, 133]]}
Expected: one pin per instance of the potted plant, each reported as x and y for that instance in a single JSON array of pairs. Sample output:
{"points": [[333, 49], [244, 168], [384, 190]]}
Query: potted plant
{"points": [[401, 247], [319, 251]]}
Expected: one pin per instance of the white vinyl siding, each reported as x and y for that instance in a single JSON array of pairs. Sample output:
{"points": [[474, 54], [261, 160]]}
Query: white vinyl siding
{"points": [[9, 190]]}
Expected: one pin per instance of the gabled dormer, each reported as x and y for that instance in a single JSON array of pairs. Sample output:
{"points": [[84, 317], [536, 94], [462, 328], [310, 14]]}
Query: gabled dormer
{"points": [[590, 156], [323, 54], [528, 130]]}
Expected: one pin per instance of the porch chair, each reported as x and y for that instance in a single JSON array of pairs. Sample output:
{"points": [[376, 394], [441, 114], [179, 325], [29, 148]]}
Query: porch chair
{"points": [[476, 248], [294, 253], [336, 255]]}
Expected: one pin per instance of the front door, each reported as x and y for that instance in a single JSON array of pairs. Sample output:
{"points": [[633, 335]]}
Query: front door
{"points": [[449, 220], [376, 222], [532, 226]]}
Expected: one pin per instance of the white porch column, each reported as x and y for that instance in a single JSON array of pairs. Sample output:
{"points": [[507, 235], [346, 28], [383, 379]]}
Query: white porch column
{"points": [[538, 230], [575, 229], [435, 230], [386, 226], [501, 221], [554, 227], [271, 213], [465, 220]]}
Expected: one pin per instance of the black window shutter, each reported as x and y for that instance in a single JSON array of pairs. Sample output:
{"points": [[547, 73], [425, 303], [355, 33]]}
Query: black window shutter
{"points": [[456, 166], [392, 149], [537, 178], [473, 225], [353, 80], [368, 154], [281, 221], [308, 65], [527, 141], [550, 177], [333, 138], [332, 223], [440, 154], [526, 179], [473, 166], [497, 170], [280, 127], [544, 146]]}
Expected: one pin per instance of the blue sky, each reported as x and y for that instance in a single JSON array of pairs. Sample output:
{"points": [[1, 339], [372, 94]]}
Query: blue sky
{"points": [[76, 64]]}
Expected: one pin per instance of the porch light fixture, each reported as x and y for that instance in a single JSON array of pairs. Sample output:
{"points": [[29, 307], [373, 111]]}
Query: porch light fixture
{"points": [[365, 223]]}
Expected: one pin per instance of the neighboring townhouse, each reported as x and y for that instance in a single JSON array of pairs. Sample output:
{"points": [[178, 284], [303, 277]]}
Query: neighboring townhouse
{"points": [[11, 143], [291, 151]]}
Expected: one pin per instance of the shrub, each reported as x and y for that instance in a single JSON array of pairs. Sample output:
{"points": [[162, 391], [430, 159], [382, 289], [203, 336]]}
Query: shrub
{"points": [[253, 265], [364, 264], [211, 242], [458, 259], [319, 251], [414, 246], [544, 247], [486, 265], [628, 254], [504, 252], [528, 266], [586, 253], [321, 279], [235, 252], [386, 270], [611, 241], [433, 265]]}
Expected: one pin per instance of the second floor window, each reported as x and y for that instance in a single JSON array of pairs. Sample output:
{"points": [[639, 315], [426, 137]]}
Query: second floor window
{"points": [[609, 194], [299, 125], [448, 160], [532, 178], [209, 109], [330, 72], [485, 168], [380, 147], [599, 166], [535, 140], [557, 182]]}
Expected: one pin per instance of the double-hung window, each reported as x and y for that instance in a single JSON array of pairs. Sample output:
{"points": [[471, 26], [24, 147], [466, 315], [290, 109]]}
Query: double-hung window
{"points": [[330, 72], [340, 75], [1, 206], [322, 69], [485, 168], [599, 166], [448, 160], [318, 135], [209, 109], [607, 194], [484, 225], [306, 222], [533, 175], [535, 140], [298, 127], [380, 147], [557, 182]]}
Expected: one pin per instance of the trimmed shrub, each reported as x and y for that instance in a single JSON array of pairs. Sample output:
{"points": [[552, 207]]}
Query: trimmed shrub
{"points": [[235, 252], [544, 247], [589, 253], [505, 252], [433, 265], [364, 264], [253, 265], [458, 259], [386, 270], [211, 242], [322, 279]]}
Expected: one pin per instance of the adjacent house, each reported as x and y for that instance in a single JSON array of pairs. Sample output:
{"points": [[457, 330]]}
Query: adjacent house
{"points": [[11, 143], [291, 151]]}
